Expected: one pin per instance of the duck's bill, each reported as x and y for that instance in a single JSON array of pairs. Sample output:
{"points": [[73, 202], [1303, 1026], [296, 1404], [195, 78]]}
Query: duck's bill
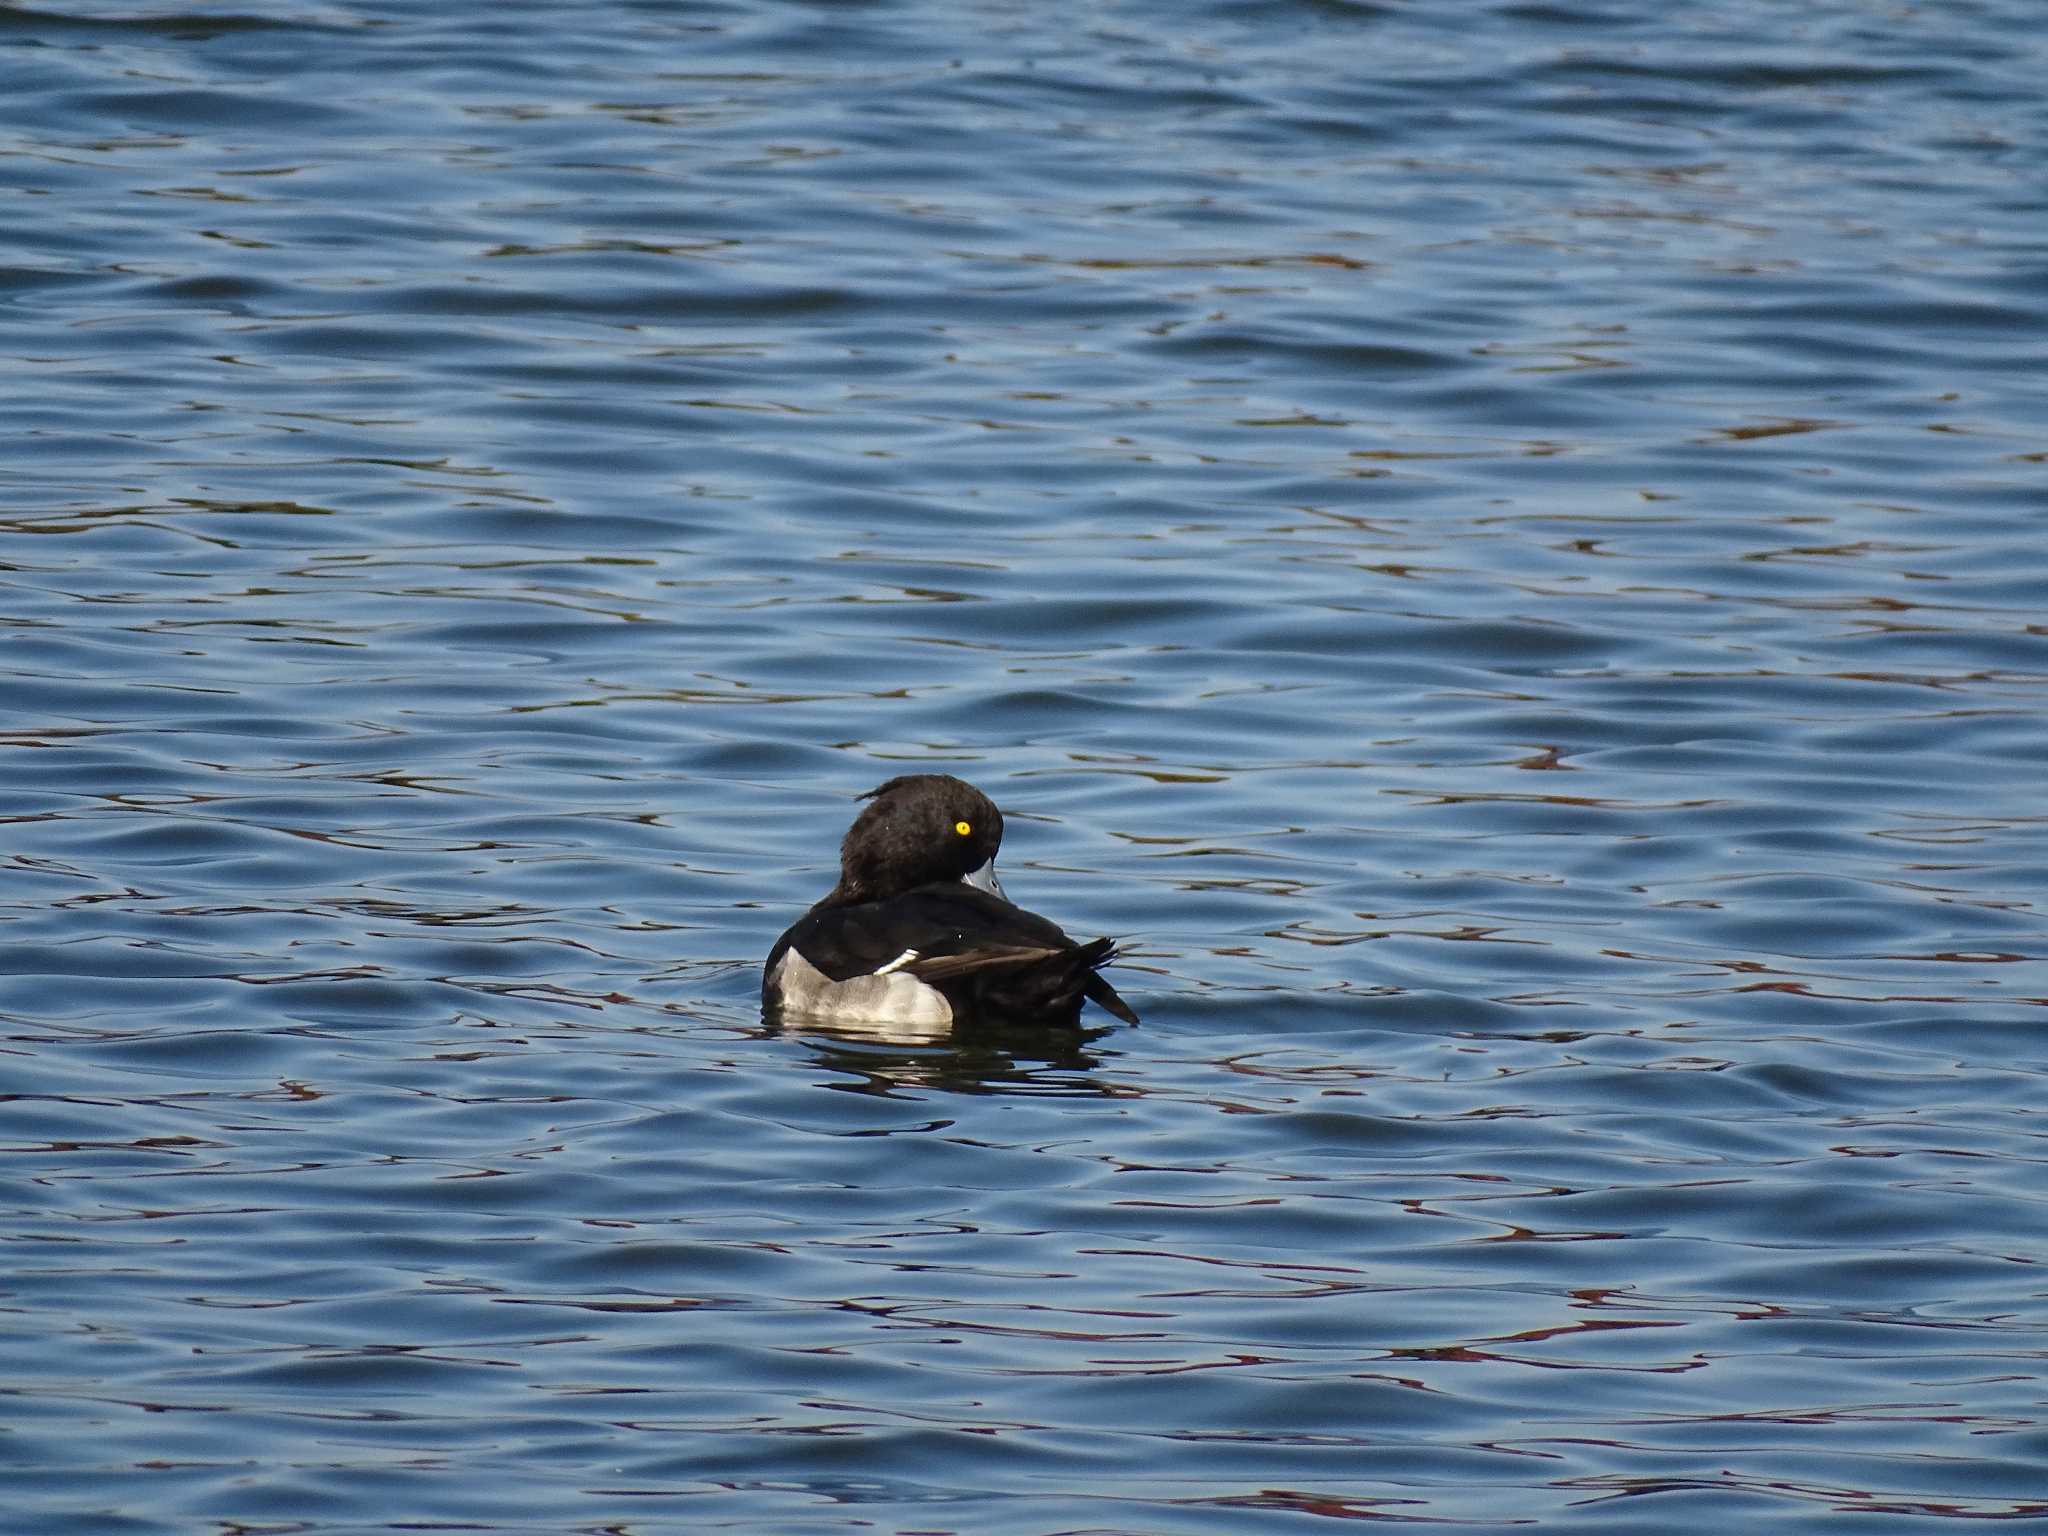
{"points": [[984, 879]]}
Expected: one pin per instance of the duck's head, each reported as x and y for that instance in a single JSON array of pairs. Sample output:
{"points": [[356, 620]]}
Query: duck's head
{"points": [[914, 830]]}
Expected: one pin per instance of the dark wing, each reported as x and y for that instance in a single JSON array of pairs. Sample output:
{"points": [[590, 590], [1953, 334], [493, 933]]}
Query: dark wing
{"points": [[988, 958], [958, 936], [1026, 981], [946, 920]]}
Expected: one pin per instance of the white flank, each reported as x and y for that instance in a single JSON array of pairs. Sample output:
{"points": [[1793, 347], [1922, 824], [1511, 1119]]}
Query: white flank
{"points": [[890, 1005]]}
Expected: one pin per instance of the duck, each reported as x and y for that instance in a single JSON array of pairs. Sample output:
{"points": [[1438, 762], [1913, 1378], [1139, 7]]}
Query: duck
{"points": [[919, 933]]}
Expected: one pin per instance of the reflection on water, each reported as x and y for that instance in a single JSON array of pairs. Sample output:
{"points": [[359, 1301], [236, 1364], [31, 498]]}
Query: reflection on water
{"points": [[1495, 548], [968, 1059]]}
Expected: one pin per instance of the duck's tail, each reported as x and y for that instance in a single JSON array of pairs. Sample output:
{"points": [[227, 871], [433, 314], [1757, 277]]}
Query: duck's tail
{"points": [[1096, 987]]}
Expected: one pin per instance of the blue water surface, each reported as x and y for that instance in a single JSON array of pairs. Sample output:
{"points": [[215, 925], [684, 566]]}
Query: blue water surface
{"points": [[1498, 546]]}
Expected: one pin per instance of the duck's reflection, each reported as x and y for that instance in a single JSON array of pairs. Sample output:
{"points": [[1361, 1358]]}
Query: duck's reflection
{"points": [[958, 1058]]}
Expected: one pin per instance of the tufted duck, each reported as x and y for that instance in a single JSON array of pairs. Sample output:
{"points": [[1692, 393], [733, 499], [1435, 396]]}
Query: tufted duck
{"points": [[918, 932]]}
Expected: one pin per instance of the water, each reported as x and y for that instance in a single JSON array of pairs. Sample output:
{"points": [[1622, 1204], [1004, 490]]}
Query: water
{"points": [[1498, 545]]}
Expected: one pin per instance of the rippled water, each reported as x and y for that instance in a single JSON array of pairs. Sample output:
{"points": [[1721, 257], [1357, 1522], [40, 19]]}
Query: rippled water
{"points": [[1499, 545]]}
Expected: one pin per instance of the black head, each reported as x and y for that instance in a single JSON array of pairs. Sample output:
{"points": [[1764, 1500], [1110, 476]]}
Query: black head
{"points": [[916, 829]]}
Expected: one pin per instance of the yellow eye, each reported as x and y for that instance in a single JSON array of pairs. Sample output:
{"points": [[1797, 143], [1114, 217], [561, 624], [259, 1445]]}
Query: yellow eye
{"points": [[962, 828]]}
